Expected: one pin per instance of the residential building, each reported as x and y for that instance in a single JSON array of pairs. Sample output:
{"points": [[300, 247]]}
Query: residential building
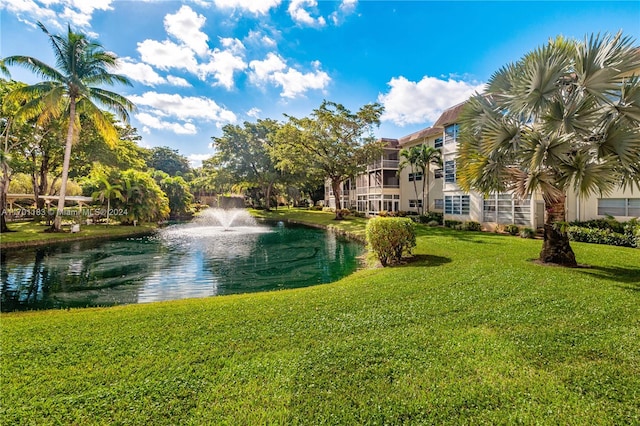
{"points": [[383, 187]]}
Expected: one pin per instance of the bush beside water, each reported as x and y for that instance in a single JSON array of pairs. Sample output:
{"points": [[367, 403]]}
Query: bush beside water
{"points": [[390, 237]]}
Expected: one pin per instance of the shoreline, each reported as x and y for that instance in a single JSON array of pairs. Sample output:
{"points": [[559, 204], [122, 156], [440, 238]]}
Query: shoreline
{"points": [[71, 239]]}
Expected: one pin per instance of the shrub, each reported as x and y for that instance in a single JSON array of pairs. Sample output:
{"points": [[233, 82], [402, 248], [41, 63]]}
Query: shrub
{"points": [[383, 213], [433, 223], [344, 212], [472, 226], [430, 217], [390, 237], [512, 229], [315, 208], [527, 233], [452, 223], [600, 236]]}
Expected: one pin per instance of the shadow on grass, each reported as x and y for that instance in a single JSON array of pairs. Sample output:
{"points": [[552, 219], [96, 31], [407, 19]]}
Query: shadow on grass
{"points": [[617, 274], [476, 237], [422, 260]]}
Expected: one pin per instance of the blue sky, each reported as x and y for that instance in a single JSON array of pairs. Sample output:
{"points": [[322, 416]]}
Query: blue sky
{"points": [[198, 65]]}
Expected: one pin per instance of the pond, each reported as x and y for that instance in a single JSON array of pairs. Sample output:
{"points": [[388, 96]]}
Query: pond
{"points": [[223, 252]]}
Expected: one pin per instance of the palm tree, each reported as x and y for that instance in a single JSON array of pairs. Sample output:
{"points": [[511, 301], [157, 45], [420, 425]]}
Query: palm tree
{"points": [[420, 158], [565, 116], [427, 155], [108, 191], [410, 158], [72, 89]]}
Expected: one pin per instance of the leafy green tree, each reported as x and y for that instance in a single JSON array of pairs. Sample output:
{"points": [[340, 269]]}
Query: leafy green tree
{"points": [[178, 193], [333, 141], [246, 152], [565, 116], [71, 90], [410, 159], [169, 161]]}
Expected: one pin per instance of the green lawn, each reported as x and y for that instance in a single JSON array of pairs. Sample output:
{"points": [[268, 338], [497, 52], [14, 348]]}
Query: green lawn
{"points": [[31, 233], [469, 332]]}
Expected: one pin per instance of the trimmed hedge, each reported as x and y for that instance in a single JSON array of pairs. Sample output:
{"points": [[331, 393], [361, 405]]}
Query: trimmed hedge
{"points": [[601, 236], [389, 237]]}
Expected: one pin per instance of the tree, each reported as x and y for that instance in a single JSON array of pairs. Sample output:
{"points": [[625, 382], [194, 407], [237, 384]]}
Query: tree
{"points": [[72, 89], [332, 141], [177, 191], [108, 191], [169, 161], [565, 116], [247, 153], [410, 159], [427, 155]]}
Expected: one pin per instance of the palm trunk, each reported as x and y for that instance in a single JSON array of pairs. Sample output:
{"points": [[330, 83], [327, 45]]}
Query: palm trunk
{"points": [[415, 189], [4, 184], [425, 181], [268, 197], [556, 248], [57, 224]]}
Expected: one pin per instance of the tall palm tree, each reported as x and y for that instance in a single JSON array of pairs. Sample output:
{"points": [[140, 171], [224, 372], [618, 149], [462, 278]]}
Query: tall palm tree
{"points": [[73, 88], [427, 155], [410, 158], [565, 116]]}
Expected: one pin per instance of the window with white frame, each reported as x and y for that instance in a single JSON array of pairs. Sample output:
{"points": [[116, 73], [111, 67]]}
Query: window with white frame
{"points": [[451, 133], [629, 207], [506, 209], [456, 204], [438, 143], [450, 171], [438, 204], [415, 203], [438, 173]]}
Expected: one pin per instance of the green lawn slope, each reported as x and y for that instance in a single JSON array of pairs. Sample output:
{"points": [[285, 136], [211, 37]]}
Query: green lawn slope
{"points": [[471, 331]]}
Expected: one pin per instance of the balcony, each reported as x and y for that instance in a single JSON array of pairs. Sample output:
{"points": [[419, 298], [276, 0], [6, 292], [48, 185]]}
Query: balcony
{"points": [[384, 164]]}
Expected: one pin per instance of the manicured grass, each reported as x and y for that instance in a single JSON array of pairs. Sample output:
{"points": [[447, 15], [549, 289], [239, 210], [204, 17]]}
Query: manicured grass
{"points": [[30, 233], [469, 332]]}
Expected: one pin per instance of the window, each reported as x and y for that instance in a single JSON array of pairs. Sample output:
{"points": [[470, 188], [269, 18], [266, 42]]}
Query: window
{"points": [[438, 204], [619, 207], [456, 204], [415, 203], [438, 173], [438, 143], [451, 133], [415, 176], [504, 208], [450, 171]]}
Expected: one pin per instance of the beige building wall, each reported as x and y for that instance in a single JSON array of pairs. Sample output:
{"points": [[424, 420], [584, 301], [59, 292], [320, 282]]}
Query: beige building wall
{"points": [[622, 205]]}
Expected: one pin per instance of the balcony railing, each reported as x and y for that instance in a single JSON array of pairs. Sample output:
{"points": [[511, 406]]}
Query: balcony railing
{"points": [[384, 164]]}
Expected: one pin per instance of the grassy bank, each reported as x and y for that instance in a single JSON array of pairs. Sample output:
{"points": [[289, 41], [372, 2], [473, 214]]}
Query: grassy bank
{"points": [[471, 331], [30, 234]]}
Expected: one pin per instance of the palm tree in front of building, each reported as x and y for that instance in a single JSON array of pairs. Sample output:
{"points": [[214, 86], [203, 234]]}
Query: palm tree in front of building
{"points": [[427, 155], [410, 158], [73, 89], [564, 117]]}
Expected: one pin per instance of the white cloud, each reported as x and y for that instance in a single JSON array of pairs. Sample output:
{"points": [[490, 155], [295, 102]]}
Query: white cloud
{"points": [[141, 72], [409, 102], [347, 7], [185, 25], [302, 16], [254, 112], [153, 122], [178, 81], [233, 45], [257, 7], [50, 12], [167, 54], [223, 65], [293, 82], [263, 69], [176, 113], [196, 159], [259, 38]]}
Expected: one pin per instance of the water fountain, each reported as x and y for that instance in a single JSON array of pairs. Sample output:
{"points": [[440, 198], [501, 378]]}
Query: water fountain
{"points": [[214, 221]]}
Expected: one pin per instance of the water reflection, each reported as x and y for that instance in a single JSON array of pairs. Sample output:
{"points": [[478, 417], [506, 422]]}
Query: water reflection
{"points": [[179, 262]]}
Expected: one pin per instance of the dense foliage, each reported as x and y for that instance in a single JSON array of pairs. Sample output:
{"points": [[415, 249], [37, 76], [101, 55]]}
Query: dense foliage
{"points": [[390, 237]]}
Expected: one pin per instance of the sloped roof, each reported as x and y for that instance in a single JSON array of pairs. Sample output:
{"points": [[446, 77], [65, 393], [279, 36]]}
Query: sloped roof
{"points": [[420, 134], [390, 142], [449, 116]]}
